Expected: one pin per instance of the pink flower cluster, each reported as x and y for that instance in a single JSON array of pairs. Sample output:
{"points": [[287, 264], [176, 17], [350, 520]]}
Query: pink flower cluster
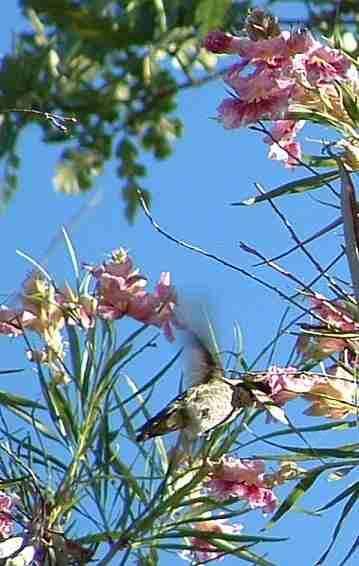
{"points": [[6, 520], [277, 386], [334, 313], [243, 479], [334, 395], [335, 316], [287, 383], [272, 76], [10, 324], [44, 309], [120, 291]]}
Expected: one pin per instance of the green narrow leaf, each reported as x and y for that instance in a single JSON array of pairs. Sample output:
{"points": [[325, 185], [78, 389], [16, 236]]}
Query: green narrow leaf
{"points": [[158, 441], [249, 556], [8, 484], [98, 538], [340, 497], [350, 101], [10, 400], [346, 510], [75, 351], [36, 423], [352, 549], [337, 425], [123, 470], [117, 357], [244, 554], [318, 161], [35, 264], [351, 226], [296, 494], [315, 117], [87, 370], [50, 404], [72, 252], [63, 410], [346, 451], [208, 535], [300, 186], [37, 452]]}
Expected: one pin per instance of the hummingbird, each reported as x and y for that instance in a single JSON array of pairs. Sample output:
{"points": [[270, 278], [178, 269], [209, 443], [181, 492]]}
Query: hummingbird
{"points": [[212, 401]]}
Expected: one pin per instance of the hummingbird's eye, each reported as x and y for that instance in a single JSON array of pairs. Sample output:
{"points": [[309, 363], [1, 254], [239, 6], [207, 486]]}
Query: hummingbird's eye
{"points": [[205, 413]]}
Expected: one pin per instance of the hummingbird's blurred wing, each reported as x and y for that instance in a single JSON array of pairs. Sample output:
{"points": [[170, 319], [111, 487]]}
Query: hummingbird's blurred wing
{"points": [[204, 364]]}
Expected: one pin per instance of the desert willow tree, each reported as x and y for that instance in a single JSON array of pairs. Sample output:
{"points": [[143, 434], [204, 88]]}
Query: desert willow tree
{"points": [[89, 476]]}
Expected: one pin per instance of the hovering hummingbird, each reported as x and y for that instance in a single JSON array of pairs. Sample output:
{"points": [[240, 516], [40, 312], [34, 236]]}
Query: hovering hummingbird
{"points": [[211, 402]]}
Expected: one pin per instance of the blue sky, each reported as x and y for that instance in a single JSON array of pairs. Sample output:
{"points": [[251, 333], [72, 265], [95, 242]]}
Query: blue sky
{"points": [[191, 191]]}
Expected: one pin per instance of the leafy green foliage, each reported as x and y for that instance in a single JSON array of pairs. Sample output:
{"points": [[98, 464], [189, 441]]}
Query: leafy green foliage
{"points": [[211, 14], [117, 68]]}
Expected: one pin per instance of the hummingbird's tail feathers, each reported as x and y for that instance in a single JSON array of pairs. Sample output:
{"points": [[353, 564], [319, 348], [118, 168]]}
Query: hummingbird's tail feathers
{"points": [[167, 420]]}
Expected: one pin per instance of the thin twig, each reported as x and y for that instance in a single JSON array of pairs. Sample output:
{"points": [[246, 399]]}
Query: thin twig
{"points": [[293, 234], [55, 119], [214, 257], [335, 286], [319, 234]]}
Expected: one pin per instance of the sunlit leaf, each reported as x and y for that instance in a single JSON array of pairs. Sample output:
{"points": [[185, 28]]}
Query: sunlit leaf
{"points": [[10, 400], [210, 14], [294, 187], [346, 510], [351, 226], [296, 494]]}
